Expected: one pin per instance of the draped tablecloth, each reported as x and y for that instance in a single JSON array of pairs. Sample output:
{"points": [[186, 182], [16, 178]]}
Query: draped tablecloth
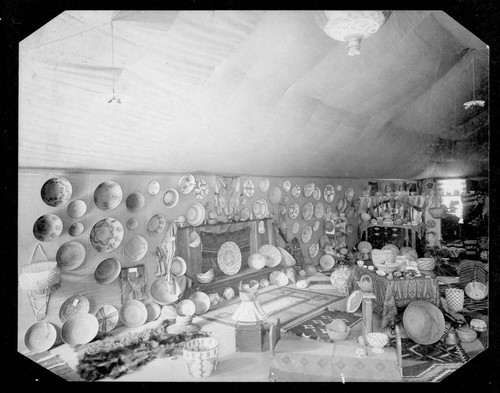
{"points": [[394, 293]]}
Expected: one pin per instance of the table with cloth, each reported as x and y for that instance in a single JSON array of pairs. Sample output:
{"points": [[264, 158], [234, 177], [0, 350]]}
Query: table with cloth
{"points": [[390, 294]]}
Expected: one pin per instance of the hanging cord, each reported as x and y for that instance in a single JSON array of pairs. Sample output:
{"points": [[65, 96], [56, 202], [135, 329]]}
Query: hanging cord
{"points": [[113, 66]]}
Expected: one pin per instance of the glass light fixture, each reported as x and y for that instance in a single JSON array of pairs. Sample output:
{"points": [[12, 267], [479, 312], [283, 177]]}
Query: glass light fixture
{"points": [[351, 26], [474, 102]]}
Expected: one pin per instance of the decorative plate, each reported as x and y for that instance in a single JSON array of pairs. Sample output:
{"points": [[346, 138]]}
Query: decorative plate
{"points": [[201, 189], [430, 223], [195, 214], [328, 210], [132, 223], [287, 185], [248, 188], [296, 191], [107, 271], [317, 194], [229, 258], [329, 193], [72, 306], [319, 210], [327, 262], [187, 184], [316, 225], [153, 187], [108, 317], [339, 187], [354, 301], [293, 211], [349, 212], [135, 202], [260, 209], [76, 229], [170, 198], [135, 248], [178, 266], [274, 195], [295, 227], [309, 189], [47, 227], [108, 195], [342, 205], [40, 337], [156, 224], [313, 250], [77, 208], [349, 194], [80, 329], [307, 211], [70, 256], [106, 235], [154, 310], [264, 185], [306, 234], [56, 191], [133, 313]]}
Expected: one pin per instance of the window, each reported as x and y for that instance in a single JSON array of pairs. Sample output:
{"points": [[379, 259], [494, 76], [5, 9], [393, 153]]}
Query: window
{"points": [[451, 190]]}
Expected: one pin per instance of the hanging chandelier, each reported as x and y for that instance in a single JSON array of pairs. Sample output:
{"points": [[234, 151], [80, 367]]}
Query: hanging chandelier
{"points": [[351, 26]]}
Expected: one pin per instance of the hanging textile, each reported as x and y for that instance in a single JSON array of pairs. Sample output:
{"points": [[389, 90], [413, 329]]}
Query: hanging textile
{"points": [[227, 195]]}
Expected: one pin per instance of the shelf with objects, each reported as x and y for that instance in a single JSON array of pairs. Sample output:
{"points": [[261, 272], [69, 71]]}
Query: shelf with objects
{"points": [[201, 247]]}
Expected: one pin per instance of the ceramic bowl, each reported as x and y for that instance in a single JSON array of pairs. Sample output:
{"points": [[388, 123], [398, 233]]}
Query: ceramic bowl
{"points": [[107, 271], [186, 308], [47, 227], [203, 278], [70, 256], [194, 239], [133, 313], [132, 223], [77, 208], [166, 293], [40, 337], [156, 224], [337, 336], [135, 248], [108, 195], [257, 261], [106, 235], [108, 317], [154, 310], [272, 254], [135, 202], [377, 340], [72, 306], [56, 191], [201, 301], [171, 198], [79, 329], [178, 266], [76, 229], [476, 290]]}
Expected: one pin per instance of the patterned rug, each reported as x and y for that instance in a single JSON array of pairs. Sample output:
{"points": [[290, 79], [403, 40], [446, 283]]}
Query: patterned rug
{"points": [[285, 303], [314, 326], [438, 352], [55, 364], [429, 372]]}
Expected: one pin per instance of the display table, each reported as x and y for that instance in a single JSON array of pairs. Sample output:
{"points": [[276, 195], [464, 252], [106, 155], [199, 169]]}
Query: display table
{"points": [[394, 293], [298, 359]]}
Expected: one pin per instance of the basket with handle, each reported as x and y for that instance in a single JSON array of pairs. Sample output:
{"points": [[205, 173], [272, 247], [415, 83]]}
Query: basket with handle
{"points": [[438, 211], [39, 280]]}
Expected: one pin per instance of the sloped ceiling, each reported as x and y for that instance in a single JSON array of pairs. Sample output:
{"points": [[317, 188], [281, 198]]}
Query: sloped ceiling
{"points": [[243, 92]]}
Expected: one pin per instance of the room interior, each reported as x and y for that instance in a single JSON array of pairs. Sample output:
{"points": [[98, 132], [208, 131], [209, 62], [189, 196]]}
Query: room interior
{"points": [[259, 189]]}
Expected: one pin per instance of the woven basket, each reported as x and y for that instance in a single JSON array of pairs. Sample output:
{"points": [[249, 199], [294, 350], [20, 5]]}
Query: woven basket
{"points": [[426, 263], [337, 336], [437, 212], [455, 299], [40, 277]]}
